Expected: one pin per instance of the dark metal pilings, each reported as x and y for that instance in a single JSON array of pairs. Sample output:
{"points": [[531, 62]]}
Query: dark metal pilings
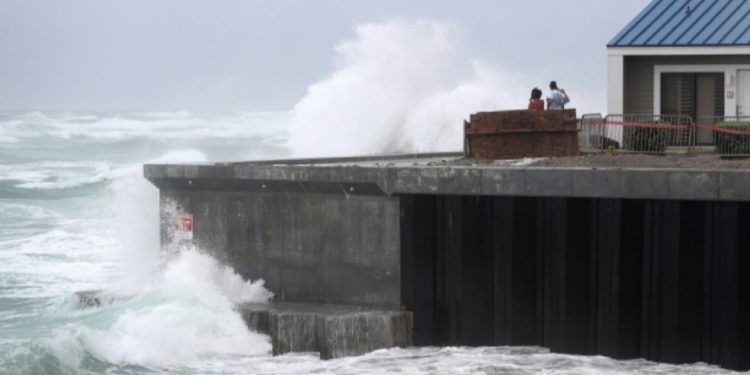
{"points": [[661, 280]]}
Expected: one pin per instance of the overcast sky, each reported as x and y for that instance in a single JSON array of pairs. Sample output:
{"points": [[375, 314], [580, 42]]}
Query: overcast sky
{"points": [[262, 55]]}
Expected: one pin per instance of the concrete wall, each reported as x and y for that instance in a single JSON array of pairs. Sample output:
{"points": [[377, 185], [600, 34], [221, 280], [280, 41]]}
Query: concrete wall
{"points": [[584, 182], [639, 76], [308, 247]]}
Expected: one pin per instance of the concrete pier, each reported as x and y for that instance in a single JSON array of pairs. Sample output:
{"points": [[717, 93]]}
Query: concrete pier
{"points": [[625, 261]]}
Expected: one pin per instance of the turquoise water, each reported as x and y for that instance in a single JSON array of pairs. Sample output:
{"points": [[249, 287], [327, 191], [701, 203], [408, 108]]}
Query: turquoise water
{"points": [[75, 214]]}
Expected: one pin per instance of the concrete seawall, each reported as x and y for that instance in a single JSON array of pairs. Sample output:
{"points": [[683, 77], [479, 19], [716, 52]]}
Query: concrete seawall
{"points": [[403, 176], [308, 247], [625, 262]]}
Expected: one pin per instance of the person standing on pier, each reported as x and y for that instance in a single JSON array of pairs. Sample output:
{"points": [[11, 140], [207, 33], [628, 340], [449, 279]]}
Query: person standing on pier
{"points": [[557, 98], [536, 103]]}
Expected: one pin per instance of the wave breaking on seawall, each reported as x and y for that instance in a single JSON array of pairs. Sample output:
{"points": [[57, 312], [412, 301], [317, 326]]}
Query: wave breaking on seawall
{"points": [[399, 86]]}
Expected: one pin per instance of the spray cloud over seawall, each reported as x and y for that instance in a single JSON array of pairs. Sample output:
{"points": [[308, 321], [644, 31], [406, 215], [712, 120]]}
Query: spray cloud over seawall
{"points": [[400, 86]]}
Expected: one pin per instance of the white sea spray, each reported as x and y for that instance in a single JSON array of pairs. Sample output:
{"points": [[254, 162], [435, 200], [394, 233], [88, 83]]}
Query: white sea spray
{"points": [[400, 86]]}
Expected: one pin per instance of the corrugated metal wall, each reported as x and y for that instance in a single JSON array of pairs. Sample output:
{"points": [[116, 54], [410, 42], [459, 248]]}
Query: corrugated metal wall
{"points": [[662, 280]]}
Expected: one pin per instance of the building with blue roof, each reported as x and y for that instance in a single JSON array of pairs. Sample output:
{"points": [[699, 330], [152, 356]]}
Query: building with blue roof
{"points": [[683, 57]]}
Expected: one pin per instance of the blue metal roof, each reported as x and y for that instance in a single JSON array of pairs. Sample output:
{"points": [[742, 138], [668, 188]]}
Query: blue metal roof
{"points": [[681, 23]]}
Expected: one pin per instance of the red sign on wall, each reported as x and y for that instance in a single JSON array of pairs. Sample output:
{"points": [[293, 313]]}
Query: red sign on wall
{"points": [[183, 228]]}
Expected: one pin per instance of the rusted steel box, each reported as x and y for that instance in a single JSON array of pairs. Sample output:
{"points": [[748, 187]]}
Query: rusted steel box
{"points": [[520, 134]]}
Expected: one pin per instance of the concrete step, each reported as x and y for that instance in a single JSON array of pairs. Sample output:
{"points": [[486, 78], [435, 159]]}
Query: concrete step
{"points": [[334, 331]]}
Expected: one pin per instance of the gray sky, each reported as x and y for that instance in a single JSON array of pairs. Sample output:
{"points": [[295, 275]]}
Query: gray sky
{"points": [[262, 55]]}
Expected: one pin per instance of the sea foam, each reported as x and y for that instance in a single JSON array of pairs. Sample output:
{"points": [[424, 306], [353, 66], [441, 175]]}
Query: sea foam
{"points": [[184, 315], [169, 309]]}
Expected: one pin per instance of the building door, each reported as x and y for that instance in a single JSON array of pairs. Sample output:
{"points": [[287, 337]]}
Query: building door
{"points": [[743, 93], [698, 95], [705, 106]]}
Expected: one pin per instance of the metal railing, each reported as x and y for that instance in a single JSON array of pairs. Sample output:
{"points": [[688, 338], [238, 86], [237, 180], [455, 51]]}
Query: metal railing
{"points": [[590, 132], [650, 134], [730, 135]]}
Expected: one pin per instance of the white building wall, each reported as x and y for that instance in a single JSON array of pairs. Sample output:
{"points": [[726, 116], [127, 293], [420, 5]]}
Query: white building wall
{"points": [[615, 83]]}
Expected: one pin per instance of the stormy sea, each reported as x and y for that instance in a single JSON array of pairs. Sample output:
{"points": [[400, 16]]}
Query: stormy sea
{"points": [[77, 215]]}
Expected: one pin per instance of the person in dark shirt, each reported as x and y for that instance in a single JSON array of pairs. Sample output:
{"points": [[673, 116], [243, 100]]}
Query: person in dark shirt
{"points": [[536, 103]]}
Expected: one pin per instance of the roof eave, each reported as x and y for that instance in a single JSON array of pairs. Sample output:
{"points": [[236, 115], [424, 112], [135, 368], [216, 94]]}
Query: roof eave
{"points": [[678, 50]]}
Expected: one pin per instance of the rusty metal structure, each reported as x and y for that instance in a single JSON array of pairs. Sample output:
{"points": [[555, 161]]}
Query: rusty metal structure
{"points": [[521, 133]]}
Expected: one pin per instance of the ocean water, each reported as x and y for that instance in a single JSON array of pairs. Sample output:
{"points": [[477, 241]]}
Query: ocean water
{"points": [[76, 214]]}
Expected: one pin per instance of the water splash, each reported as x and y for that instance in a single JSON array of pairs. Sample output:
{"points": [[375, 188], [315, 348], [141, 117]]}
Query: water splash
{"points": [[400, 86], [184, 315]]}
